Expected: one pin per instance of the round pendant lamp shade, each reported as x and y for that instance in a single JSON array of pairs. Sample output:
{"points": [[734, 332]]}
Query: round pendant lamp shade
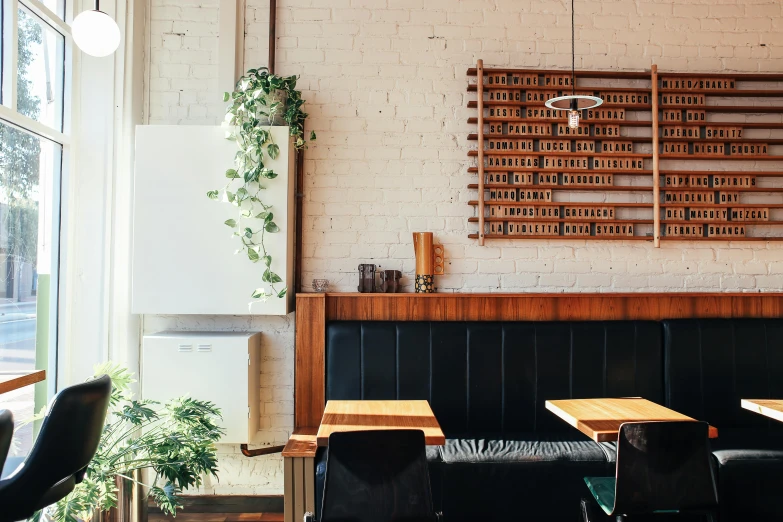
{"points": [[568, 103], [96, 33]]}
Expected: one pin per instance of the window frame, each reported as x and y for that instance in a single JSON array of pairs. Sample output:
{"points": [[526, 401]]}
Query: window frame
{"points": [[10, 116]]}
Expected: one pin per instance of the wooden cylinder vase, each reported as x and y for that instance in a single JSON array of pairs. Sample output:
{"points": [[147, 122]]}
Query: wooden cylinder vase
{"points": [[425, 267]]}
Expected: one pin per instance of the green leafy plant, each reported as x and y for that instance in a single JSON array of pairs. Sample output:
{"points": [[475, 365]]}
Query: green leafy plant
{"points": [[175, 440], [260, 98]]}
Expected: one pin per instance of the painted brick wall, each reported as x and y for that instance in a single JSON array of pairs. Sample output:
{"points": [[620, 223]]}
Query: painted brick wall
{"points": [[385, 85]]}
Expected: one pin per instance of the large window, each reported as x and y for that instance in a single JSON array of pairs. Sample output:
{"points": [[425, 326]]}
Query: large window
{"points": [[34, 144]]}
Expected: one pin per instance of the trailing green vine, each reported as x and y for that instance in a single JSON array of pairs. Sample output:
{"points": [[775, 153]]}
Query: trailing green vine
{"points": [[260, 99]]}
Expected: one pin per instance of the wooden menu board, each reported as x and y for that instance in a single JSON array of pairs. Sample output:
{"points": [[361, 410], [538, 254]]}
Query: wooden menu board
{"points": [[624, 173]]}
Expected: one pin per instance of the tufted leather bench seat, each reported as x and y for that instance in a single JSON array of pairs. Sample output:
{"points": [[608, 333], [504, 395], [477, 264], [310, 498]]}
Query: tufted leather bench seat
{"points": [[506, 457], [487, 383], [711, 365]]}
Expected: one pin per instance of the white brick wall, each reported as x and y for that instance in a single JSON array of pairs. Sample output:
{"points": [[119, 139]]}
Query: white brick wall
{"points": [[385, 85]]}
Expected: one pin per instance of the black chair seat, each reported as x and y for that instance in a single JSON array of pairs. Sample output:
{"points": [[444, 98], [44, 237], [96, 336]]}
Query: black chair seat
{"points": [[526, 448]]}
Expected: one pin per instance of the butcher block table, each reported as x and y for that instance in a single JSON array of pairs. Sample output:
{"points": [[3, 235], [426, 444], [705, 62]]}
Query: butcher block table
{"points": [[380, 415], [600, 419], [772, 408]]}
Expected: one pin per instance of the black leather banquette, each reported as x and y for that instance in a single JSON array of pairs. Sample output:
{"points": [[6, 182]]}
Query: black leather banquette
{"points": [[507, 457]]}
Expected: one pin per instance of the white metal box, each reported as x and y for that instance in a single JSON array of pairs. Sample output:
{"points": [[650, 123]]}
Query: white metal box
{"points": [[220, 367], [183, 253]]}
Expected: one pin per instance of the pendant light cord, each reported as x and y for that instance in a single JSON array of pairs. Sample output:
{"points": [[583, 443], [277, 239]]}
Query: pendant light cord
{"points": [[573, 53]]}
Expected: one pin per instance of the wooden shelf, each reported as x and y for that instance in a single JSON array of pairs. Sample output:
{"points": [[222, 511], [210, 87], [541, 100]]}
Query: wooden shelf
{"points": [[722, 189], [743, 124], [566, 171], [748, 157], [474, 203], [716, 205], [564, 220], [573, 188], [738, 238], [746, 77], [744, 173], [622, 123], [635, 139], [591, 88], [750, 109], [700, 222], [742, 93], [630, 75], [602, 155], [577, 238], [473, 104], [770, 141]]}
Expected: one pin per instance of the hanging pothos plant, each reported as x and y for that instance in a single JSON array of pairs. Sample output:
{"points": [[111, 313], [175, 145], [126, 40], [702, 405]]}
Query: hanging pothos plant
{"points": [[259, 100]]}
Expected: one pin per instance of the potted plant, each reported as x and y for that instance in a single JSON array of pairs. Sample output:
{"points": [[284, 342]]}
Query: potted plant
{"points": [[260, 99], [174, 442]]}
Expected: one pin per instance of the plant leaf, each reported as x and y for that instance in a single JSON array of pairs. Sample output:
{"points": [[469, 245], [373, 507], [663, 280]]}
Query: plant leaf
{"points": [[212, 194], [273, 150], [271, 227], [267, 260], [312, 135], [230, 222], [226, 96], [252, 255], [282, 292], [274, 278]]}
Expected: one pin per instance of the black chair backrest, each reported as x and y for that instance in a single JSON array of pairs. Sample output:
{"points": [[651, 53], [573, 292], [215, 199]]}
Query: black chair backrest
{"points": [[377, 476], [664, 466], [68, 440], [6, 434]]}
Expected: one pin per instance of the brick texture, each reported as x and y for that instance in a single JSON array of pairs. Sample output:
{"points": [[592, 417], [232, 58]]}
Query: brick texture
{"points": [[385, 84]]}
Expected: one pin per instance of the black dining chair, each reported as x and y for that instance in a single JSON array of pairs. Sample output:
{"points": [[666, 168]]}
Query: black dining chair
{"points": [[377, 476], [68, 439], [662, 467]]}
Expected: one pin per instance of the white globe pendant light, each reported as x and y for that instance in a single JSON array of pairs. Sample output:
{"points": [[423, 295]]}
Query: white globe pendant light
{"points": [[95, 32], [573, 103]]}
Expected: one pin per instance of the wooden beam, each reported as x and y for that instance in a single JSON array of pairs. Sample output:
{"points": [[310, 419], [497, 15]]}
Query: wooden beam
{"points": [[231, 43], [309, 364], [656, 176]]}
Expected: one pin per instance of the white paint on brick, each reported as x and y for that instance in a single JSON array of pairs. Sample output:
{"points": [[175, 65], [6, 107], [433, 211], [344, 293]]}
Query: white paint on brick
{"points": [[385, 84]]}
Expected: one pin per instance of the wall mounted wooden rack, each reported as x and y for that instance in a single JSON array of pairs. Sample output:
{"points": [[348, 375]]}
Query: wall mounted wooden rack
{"points": [[667, 156]]}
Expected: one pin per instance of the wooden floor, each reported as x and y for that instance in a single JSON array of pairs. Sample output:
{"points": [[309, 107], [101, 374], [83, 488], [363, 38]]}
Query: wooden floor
{"points": [[218, 517]]}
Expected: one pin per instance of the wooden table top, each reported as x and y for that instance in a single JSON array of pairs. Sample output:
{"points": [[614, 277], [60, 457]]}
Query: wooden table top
{"points": [[600, 419], [10, 381], [772, 408], [380, 415]]}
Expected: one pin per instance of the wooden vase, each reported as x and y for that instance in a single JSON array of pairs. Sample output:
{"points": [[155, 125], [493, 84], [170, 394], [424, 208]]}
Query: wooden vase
{"points": [[425, 266]]}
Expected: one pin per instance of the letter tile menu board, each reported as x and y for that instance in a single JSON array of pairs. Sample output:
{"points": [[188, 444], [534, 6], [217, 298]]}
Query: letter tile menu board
{"points": [[665, 156]]}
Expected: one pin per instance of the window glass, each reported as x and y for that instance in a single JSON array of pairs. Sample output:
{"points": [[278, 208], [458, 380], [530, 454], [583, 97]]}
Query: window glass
{"points": [[40, 70], [57, 6], [29, 172]]}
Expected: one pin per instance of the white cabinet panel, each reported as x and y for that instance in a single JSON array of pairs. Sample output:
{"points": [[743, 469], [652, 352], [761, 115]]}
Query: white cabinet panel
{"points": [[221, 367], [183, 253]]}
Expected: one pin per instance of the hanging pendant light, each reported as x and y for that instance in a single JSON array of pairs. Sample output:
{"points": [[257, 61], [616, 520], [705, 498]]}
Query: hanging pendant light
{"points": [[95, 32], [573, 103]]}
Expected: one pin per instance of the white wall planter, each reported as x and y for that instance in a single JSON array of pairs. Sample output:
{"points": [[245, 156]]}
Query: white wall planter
{"points": [[183, 254]]}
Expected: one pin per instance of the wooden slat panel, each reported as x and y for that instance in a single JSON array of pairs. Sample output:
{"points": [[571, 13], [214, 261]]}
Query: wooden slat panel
{"points": [[309, 386], [549, 307], [288, 489]]}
